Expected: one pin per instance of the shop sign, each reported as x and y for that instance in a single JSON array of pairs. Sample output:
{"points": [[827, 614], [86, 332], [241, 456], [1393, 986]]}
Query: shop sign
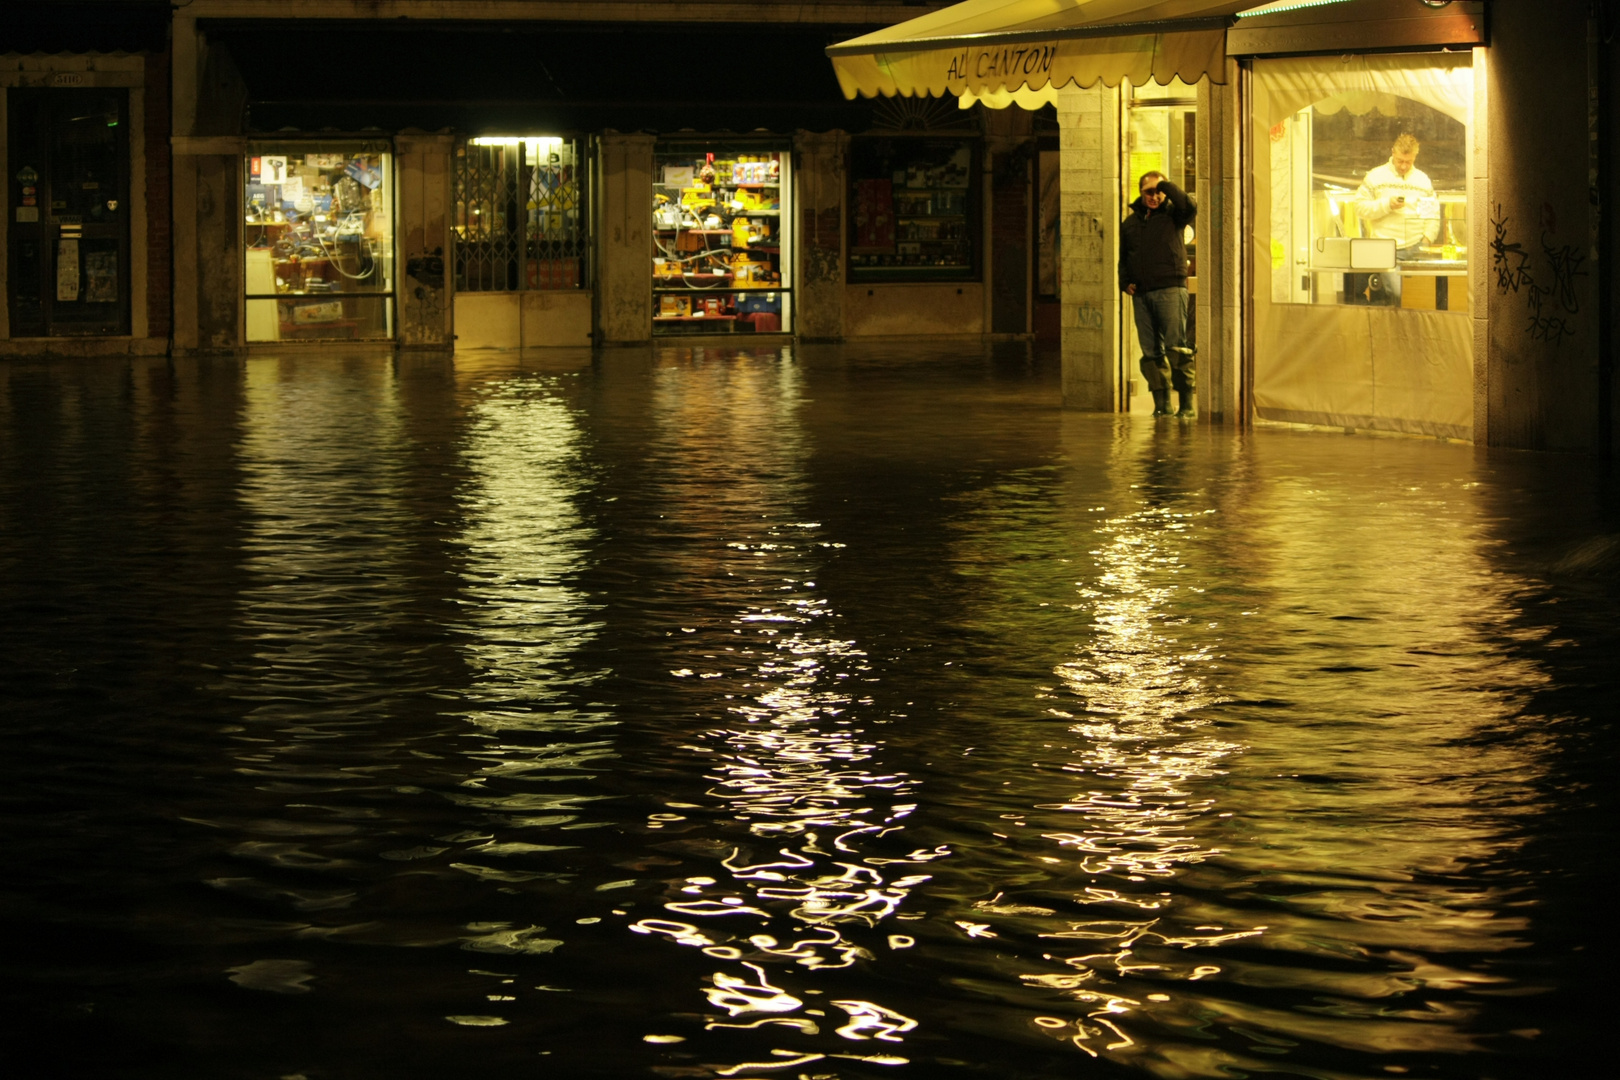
{"points": [[1004, 62], [68, 78]]}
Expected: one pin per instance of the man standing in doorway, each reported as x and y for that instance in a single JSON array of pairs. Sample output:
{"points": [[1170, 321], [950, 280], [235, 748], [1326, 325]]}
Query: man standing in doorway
{"points": [[1153, 272], [1396, 201]]}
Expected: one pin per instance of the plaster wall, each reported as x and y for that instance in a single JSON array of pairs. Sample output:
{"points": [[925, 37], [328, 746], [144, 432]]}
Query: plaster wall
{"points": [[216, 264], [488, 320], [1088, 125], [624, 242], [422, 241], [1541, 380], [818, 165], [914, 310], [560, 317]]}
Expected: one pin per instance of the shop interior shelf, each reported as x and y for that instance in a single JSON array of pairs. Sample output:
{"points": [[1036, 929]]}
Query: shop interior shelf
{"points": [[694, 318], [692, 280]]}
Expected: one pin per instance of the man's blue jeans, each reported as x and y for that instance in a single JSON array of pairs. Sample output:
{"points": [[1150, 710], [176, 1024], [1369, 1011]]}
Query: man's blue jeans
{"points": [[1161, 328], [1391, 279]]}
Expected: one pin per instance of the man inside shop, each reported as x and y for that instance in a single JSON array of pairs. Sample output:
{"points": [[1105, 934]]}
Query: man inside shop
{"points": [[1396, 202], [1153, 273]]}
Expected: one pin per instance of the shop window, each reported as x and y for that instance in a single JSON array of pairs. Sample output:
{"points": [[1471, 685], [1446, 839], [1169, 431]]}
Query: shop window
{"points": [[1361, 314], [722, 258], [68, 212], [914, 209], [520, 214], [319, 242], [1368, 186]]}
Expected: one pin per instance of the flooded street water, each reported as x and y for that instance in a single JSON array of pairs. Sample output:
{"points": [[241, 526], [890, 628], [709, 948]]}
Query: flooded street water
{"points": [[824, 712]]}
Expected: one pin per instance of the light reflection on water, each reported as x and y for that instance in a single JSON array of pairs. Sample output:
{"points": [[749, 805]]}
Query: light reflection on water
{"points": [[820, 712]]}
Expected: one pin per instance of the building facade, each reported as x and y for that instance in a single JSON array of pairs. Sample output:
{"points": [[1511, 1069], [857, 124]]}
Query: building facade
{"points": [[232, 176]]}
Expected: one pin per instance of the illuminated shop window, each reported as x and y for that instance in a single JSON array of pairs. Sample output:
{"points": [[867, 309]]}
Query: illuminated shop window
{"points": [[722, 258], [520, 214], [319, 242], [1368, 187]]}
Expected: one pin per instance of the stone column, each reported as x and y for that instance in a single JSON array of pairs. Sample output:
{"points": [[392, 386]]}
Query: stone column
{"points": [[818, 285], [624, 240], [1219, 301], [422, 244], [1088, 123]]}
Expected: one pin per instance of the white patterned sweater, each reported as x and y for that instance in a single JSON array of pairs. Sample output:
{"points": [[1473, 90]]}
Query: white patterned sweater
{"points": [[1418, 221]]}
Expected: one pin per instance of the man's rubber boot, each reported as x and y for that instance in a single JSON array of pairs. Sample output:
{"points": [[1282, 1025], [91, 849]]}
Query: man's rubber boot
{"points": [[1189, 405], [1161, 403]]}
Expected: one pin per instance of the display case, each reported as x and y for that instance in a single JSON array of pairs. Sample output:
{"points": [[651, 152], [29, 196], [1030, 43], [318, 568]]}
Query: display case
{"points": [[722, 257], [318, 243], [1320, 159], [914, 209]]}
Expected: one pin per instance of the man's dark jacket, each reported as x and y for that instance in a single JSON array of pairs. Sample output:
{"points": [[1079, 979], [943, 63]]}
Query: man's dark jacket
{"points": [[1151, 252]]}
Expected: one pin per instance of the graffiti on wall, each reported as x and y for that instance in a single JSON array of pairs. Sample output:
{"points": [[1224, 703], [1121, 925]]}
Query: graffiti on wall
{"points": [[1552, 296]]}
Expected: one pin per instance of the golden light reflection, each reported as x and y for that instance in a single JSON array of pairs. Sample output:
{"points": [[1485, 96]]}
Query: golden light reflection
{"points": [[523, 538], [784, 752], [1312, 829]]}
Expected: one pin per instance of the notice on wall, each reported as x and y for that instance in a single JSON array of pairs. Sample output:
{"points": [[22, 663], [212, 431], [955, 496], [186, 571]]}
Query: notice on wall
{"points": [[101, 277], [292, 189], [67, 270], [27, 213]]}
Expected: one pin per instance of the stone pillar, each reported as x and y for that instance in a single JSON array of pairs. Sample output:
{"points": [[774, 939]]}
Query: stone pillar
{"points": [[1479, 240], [1088, 123], [422, 250], [185, 72], [207, 205], [1541, 386], [818, 286], [1220, 250], [624, 240]]}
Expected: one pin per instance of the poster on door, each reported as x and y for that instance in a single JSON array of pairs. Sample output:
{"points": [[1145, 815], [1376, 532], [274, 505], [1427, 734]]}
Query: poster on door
{"points": [[67, 270], [101, 277]]}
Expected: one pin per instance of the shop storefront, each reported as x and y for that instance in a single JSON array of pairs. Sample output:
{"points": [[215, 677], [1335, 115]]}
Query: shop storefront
{"points": [[522, 244], [722, 259], [1362, 217], [318, 241], [68, 234], [914, 209]]}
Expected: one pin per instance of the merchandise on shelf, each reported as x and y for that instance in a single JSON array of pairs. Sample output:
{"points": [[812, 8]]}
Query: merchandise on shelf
{"points": [[716, 232], [912, 210]]}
